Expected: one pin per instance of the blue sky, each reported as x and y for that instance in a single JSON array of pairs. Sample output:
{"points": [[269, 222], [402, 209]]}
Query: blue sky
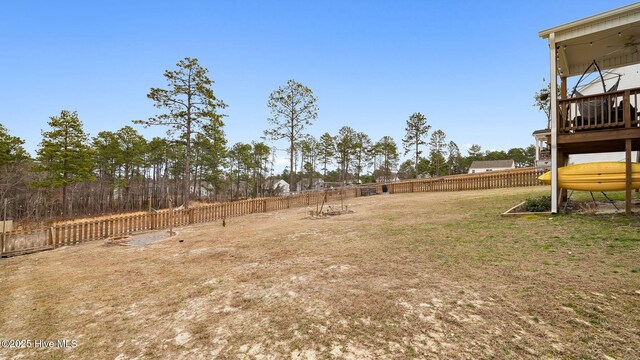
{"points": [[471, 67]]}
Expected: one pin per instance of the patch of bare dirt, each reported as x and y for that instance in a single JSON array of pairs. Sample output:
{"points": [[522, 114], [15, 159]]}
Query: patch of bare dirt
{"points": [[434, 275]]}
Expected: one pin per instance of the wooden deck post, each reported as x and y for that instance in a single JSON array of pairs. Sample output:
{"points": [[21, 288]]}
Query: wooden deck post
{"points": [[626, 111], [564, 162], [637, 160], [627, 195]]}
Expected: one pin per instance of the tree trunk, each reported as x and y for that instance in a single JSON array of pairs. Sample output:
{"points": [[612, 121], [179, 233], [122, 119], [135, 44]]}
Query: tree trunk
{"points": [[64, 200], [415, 166], [187, 165], [196, 188], [291, 170]]}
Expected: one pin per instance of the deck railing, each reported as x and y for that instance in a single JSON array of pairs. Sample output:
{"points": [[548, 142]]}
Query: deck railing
{"points": [[83, 230], [612, 110]]}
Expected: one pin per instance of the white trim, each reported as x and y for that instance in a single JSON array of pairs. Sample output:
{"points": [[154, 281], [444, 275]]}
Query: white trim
{"points": [[602, 17], [554, 124]]}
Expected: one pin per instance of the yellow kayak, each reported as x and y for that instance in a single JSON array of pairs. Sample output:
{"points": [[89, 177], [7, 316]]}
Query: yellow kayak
{"points": [[595, 176]]}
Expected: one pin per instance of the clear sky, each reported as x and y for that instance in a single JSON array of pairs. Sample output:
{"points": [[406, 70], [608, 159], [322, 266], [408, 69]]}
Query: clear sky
{"points": [[472, 67]]}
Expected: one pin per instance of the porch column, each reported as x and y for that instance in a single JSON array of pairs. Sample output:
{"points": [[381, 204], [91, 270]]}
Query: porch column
{"points": [[554, 123], [627, 194]]}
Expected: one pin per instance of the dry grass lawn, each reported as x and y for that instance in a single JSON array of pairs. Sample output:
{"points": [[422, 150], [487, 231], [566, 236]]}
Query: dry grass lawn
{"points": [[430, 275]]}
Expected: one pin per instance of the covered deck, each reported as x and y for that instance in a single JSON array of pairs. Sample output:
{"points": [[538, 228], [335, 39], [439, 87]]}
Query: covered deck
{"points": [[604, 122]]}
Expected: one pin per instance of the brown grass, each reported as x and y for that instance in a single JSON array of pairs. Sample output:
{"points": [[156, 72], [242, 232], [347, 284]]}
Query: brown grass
{"points": [[431, 275]]}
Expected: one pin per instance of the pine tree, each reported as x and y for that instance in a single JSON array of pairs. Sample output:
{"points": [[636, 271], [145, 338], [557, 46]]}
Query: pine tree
{"points": [[362, 149], [345, 149], [14, 161], [388, 150], [106, 154], [214, 152], [326, 151], [455, 158], [63, 154], [190, 103], [438, 151], [309, 153], [416, 130], [240, 156], [293, 107], [11, 149], [260, 153], [130, 158]]}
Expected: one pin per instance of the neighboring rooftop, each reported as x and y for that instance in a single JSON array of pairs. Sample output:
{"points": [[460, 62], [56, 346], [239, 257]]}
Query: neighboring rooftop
{"points": [[485, 164], [542, 131]]}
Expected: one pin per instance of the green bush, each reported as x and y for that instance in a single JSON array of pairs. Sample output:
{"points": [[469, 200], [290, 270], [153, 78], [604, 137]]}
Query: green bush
{"points": [[539, 204]]}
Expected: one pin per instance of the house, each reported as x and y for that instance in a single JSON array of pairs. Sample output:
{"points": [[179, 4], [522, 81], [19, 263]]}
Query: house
{"points": [[543, 152], [607, 119], [622, 78], [203, 189], [383, 178], [626, 77], [316, 185], [281, 187], [491, 165]]}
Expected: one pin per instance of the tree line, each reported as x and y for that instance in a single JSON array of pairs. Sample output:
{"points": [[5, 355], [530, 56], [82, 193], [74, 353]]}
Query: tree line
{"points": [[75, 174]]}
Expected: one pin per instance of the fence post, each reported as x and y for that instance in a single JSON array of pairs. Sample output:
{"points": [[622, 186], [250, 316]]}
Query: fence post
{"points": [[170, 218]]}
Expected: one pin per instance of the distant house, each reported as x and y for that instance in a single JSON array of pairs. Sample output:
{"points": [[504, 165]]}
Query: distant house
{"points": [[491, 165], [393, 176], [543, 151], [318, 184], [282, 185], [203, 189]]}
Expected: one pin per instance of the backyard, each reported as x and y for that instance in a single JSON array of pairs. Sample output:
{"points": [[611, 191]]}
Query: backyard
{"points": [[417, 275]]}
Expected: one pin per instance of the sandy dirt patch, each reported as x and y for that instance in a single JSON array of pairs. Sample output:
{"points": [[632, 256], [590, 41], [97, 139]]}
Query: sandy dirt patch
{"points": [[433, 275]]}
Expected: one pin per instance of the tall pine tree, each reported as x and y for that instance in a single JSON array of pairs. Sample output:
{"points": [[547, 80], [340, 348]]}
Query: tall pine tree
{"points": [[293, 107], [13, 157], [416, 131], [64, 155], [11, 149], [438, 153], [190, 103], [326, 152]]}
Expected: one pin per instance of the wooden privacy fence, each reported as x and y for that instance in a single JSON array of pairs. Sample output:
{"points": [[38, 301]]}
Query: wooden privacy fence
{"points": [[21, 241], [479, 181]]}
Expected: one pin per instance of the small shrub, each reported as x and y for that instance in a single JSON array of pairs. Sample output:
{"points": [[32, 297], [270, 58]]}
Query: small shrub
{"points": [[539, 204]]}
